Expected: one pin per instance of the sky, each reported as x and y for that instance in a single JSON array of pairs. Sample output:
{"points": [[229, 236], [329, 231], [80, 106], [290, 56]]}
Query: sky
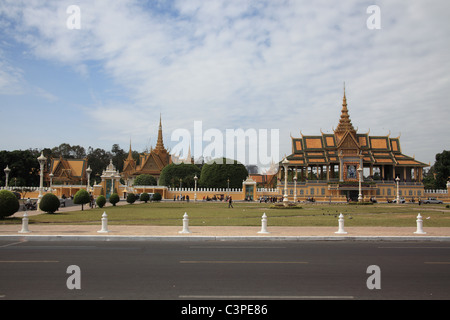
{"points": [[105, 74]]}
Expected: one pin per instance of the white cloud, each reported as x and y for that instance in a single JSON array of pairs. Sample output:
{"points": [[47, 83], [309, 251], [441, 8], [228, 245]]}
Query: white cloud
{"points": [[268, 64]]}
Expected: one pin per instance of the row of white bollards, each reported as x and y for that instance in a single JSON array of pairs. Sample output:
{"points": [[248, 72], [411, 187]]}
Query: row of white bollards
{"points": [[419, 222], [104, 229]]}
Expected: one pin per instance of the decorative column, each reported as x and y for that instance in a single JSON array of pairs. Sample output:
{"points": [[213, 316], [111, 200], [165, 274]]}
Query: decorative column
{"points": [[195, 189], [397, 180], [51, 175], [7, 171], [41, 161], [285, 166], [360, 197], [88, 171], [295, 186]]}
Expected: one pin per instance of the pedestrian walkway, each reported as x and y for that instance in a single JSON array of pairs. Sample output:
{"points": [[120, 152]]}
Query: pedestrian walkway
{"points": [[221, 231], [236, 232]]}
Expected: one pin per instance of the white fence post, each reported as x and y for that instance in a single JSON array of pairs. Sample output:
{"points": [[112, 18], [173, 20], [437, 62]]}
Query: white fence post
{"points": [[104, 224], [264, 224], [185, 224], [25, 224], [341, 225], [419, 225]]}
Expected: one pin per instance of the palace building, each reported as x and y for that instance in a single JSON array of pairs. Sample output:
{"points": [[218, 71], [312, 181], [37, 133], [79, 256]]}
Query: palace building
{"points": [[327, 166], [67, 171], [152, 162]]}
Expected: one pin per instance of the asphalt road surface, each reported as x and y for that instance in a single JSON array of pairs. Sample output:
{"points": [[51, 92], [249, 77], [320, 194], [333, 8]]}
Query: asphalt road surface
{"points": [[193, 271]]}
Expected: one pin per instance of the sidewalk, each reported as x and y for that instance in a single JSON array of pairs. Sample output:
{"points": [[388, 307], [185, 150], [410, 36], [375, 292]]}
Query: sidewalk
{"points": [[217, 232], [275, 233]]}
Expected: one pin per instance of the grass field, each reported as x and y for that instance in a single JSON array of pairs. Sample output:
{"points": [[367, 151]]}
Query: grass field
{"points": [[249, 214]]}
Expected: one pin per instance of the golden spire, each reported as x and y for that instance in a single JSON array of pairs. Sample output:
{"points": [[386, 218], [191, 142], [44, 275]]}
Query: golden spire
{"points": [[160, 143], [130, 153], [345, 124]]}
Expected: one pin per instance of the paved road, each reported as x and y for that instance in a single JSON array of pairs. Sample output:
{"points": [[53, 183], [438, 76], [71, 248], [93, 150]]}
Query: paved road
{"points": [[224, 270]]}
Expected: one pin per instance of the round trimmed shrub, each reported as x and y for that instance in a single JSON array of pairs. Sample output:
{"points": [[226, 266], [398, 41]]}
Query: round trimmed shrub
{"points": [[81, 197], [9, 204], [49, 203], [131, 198], [114, 198], [144, 197], [101, 201], [156, 196]]}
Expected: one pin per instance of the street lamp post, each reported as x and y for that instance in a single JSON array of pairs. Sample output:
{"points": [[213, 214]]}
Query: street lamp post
{"points": [[397, 180], [7, 171], [51, 175], [295, 187], [41, 159], [195, 192], [180, 187], [285, 163], [228, 186], [360, 197], [88, 171]]}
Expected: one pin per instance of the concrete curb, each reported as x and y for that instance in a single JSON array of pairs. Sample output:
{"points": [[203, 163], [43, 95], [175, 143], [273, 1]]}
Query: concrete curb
{"points": [[216, 238]]}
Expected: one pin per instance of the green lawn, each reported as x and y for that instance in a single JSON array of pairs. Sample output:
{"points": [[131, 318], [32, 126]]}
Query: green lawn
{"points": [[249, 214]]}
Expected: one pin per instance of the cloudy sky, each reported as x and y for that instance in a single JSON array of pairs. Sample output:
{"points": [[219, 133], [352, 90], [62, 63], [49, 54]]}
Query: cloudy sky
{"points": [[231, 64]]}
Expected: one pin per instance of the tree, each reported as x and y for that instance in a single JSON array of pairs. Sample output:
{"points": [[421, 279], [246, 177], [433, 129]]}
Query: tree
{"points": [[131, 198], [118, 156], [144, 197], [439, 173], [114, 198], [98, 160], [49, 203], [145, 180], [215, 174], [101, 201], [9, 204], [156, 196], [172, 173], [24, 167], [442, 169], [67, 151], [81, 197]]}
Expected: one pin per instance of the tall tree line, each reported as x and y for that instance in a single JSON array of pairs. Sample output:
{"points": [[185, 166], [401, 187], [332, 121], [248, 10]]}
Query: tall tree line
{"points": [[25, 167]]}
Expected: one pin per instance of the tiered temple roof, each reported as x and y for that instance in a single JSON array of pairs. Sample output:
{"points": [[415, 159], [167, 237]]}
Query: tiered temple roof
{"points": [[325, 148], [69, 171], [149, 163]]}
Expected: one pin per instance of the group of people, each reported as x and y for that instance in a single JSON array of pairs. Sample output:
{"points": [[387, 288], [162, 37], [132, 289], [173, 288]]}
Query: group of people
{"points": [[181, 198], [228, 199], [267, 199]]}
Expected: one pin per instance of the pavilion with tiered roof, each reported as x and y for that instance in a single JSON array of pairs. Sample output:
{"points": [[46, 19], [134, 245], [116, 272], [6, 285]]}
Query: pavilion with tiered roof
{"points": [[327, 165]]}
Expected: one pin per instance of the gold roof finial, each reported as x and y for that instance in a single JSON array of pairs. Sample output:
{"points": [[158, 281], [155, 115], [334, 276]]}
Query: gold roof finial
{"points": [[159, 142], [345, 123]]}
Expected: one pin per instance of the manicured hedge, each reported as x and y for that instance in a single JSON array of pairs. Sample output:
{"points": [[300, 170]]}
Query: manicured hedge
{"points": [[9, 204], [49, 203]]}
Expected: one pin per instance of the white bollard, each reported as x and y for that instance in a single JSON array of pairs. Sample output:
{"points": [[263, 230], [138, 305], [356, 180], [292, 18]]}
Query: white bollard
{"points": [[264, 224], [104, 224], [341, 225], [185, 224], [419, 225], [25, 224]]}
